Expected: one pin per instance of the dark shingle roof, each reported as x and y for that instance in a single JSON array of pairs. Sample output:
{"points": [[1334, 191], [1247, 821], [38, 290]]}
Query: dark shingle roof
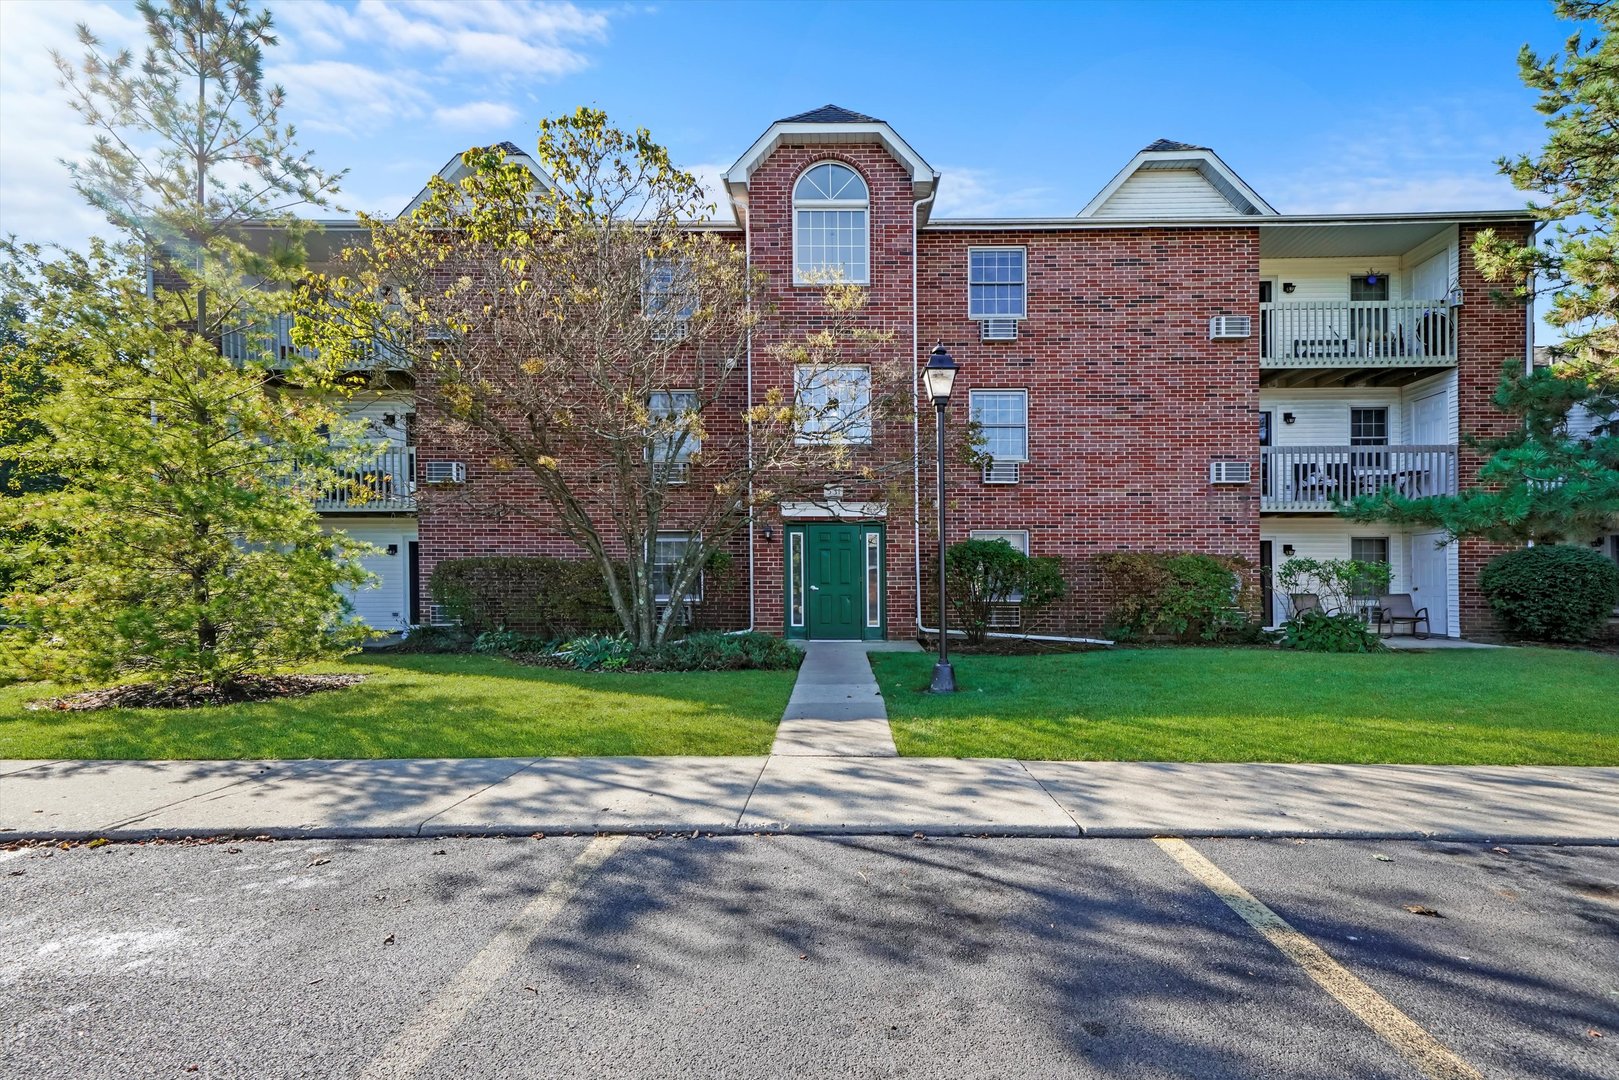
{"points": [[1170, 144], [829, 114]]}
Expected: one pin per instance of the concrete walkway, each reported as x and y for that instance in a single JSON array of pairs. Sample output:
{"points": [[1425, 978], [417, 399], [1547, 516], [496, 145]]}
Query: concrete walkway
{"points": [[835, 709], [794, 793]]}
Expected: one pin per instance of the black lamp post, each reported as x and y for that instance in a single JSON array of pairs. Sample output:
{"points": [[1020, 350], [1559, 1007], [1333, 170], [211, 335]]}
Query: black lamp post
{"points": [[940, 377]]}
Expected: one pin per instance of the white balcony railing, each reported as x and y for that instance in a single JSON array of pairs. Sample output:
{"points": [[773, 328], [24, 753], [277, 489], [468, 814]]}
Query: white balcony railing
{"points": [[386, 484], [1357, 333], [1314, 478], [271, 340]]}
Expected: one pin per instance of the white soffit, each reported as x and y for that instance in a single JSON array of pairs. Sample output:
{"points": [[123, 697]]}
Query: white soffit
{"points": [[1244, 200], [1348, 241]]}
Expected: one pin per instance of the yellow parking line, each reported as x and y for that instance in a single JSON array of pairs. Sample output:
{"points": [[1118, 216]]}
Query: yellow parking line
{"points": [[406, 1055], [1434, 1058]]}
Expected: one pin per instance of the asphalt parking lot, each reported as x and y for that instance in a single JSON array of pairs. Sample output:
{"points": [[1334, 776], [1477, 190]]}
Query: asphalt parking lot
{"points": [[790, 956]]}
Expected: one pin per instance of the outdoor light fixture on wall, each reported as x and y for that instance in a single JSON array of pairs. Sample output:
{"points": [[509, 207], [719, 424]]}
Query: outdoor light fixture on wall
{"points": [[1287, 549], [1372, 276], [1288, 286], [1288, 418], [768, 532]]}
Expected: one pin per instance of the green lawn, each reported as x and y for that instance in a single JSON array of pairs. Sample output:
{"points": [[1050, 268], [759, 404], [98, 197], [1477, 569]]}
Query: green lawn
{"points": [[1507, 706], [430, 706]]}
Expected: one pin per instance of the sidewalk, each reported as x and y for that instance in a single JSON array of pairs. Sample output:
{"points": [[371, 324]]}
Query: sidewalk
{"points": [[797, 793]]}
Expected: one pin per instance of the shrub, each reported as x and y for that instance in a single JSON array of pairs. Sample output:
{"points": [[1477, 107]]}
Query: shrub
{"points": [[1185, 596], [982, 573], [721, 652], [1551, 592], [511, 641], [1345, 632], [593, 652], [432, 639], [1338, 583], [545, 597]]}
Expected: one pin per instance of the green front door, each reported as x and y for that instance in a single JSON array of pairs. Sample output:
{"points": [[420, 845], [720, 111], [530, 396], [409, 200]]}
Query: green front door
{"points": [[835, 581]]}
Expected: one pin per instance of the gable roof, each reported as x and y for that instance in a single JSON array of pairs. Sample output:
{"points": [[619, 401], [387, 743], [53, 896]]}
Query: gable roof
{"points": [[830, 114], [1176, 179], [454, 170], [829, 125]]}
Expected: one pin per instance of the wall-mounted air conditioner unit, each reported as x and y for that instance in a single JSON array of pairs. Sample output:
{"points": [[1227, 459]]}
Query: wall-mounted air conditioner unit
{"points": [[997, 330], [444, 472], [1231, 472], [1230, 327], [1003, 472], [671, 472]]}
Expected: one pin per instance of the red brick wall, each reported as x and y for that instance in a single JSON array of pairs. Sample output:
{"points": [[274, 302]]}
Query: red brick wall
{"points": [[797, 310], [1129, 400], [1487, 335]]}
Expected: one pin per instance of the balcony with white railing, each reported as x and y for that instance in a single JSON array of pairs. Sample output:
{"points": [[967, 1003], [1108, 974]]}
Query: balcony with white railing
{"points": [[1314, 479], [1357, 333], [384, 485], [271, 340]]}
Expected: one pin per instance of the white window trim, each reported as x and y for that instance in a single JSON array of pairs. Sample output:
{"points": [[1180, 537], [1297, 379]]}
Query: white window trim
{"points": [[873, 546], [1002, 534], [998, 247], [689, 446], [1028, 443], [669, 534], [799, 279], [797, 596], [803, 438]]}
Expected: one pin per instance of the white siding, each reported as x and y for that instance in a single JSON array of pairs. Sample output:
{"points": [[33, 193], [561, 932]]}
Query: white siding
{"points": [[1328, 538], [1167, 193], [385, 604], [1328, 279], [376, 411], [1321, 417]]}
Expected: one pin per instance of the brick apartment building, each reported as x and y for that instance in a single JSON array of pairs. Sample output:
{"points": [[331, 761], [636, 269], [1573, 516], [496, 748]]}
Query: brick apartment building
{"points": [[1176, 367]]}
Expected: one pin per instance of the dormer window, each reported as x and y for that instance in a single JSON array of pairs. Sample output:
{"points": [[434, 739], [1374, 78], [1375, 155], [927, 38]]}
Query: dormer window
{"points": [[831, 229]]}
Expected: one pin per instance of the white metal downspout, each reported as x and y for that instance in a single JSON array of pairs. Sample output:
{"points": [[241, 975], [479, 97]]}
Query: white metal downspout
{"points": [[916, 449], [753, 581], [916, 405]]}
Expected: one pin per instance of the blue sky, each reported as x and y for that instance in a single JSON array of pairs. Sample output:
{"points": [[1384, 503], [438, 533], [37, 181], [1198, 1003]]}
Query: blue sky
{"points": [[1027, 109]]}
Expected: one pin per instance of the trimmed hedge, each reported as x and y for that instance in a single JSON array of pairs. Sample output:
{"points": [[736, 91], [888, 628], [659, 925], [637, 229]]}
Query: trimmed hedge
{"points": [[1181, 595], [536, 595], [1551, 592]]}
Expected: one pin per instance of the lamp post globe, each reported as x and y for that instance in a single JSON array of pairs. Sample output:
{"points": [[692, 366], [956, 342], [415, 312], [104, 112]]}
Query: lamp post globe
{"points": [[940, 378]]}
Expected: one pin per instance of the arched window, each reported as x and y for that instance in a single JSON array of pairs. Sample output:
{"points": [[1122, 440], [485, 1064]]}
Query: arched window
{"points": [[831, 232]]}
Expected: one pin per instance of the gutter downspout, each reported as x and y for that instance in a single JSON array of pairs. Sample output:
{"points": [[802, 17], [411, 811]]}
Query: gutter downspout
{"points": [[753, 581], [916, 450]]}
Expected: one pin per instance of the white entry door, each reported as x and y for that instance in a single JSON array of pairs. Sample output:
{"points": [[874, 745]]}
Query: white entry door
{"points": [[1430, 579], [1429, 418]]}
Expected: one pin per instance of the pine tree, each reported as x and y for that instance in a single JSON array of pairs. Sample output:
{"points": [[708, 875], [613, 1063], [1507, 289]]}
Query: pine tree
{"points": [[1548, 480]]}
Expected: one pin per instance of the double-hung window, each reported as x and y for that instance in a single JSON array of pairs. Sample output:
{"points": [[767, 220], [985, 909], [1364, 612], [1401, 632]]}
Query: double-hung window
{"points": [[999, 616], [831, 226], [1002, 417], [997, 286], [668, 297], [833, 403], [1369, 427], [668, 549], [672, 416]]}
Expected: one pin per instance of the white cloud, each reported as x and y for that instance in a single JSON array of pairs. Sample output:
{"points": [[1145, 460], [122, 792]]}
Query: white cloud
{"points": [[965, 192], [1438, 156], [478, 115], [531, 38], [711, 174], [334, 95], [37, 126]]}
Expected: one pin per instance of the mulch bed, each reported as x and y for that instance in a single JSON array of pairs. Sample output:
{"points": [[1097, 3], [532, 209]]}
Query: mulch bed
{"points": [[198, 695]]}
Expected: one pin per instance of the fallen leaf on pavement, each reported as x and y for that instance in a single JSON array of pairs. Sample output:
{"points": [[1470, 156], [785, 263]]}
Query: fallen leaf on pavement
{"points": [[1502, 850], [233, 851], [533, 989], [1419, 909], [1382, 858], [389, 940], [440, 851], [320, 862], [1594, 1033], [100, 841]]}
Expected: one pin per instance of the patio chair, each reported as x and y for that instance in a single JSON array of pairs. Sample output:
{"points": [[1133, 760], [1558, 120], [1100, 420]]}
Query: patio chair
{"points": [[1304, 603], [1397, 608]]}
